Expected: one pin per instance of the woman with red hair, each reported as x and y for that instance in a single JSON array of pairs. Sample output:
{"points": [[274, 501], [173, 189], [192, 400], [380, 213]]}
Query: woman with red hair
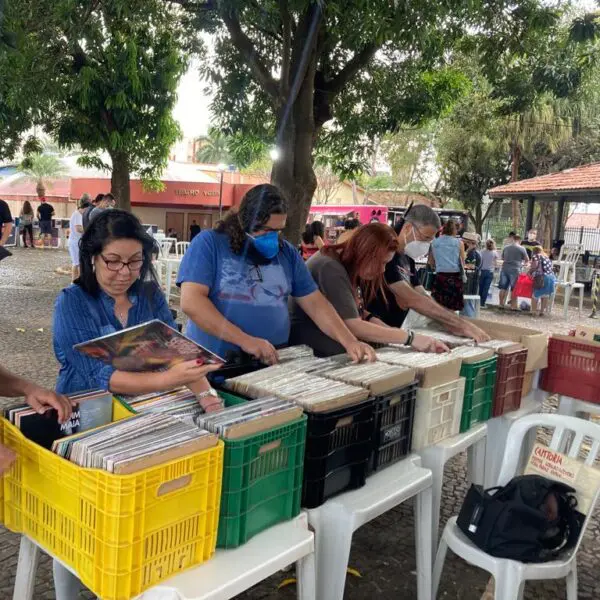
{"points": [[350, 275]]}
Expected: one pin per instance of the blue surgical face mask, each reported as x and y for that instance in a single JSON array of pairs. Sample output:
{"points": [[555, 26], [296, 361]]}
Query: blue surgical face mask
{"points": [[267, 244]]}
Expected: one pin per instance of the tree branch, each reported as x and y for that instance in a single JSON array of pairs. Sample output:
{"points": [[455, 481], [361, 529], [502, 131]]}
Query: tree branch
{"points": [[353, 66], [246, 48], [489, 208], [286, 20]]}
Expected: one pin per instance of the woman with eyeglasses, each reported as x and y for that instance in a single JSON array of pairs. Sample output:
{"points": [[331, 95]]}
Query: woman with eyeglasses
{"points": [[117, 288], [236, 281]]}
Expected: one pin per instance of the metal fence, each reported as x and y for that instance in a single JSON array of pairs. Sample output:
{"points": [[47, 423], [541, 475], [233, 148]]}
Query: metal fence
{"points": [[589, 237]]}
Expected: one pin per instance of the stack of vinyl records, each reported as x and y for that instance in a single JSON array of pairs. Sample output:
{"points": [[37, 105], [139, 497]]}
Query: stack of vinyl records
{"points": [[135, 444], [471, 354], [180, 401], [378, 378], [430, 369], [249, 418], [313, 392], [294, 352], [443, 336], [90, 409], [497, 344]]}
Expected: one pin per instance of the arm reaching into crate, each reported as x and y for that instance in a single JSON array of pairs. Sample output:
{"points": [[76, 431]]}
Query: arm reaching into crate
{"points": [[37, 397]]}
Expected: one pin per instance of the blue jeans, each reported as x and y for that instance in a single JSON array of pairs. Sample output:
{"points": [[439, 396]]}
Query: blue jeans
{"points": [[485, 282]]}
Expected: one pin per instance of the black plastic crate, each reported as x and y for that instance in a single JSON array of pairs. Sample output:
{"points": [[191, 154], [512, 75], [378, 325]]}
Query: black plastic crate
{"points": [[338, 445], [350, 477], [393, 416], [235, 369]]}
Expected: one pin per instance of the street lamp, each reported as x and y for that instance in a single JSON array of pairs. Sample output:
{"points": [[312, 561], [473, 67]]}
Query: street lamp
{"points": [[221, 167], [274, 153]]}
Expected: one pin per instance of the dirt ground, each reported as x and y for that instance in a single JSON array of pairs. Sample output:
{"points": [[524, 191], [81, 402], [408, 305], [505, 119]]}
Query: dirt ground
{"points": [[382, 551]]}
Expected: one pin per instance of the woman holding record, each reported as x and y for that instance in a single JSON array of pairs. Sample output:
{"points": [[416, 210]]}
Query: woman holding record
{"points": [[117, 289]]}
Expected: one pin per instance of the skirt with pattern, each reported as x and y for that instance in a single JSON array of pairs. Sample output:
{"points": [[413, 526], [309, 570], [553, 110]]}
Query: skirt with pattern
{"points": [[448, 290]]}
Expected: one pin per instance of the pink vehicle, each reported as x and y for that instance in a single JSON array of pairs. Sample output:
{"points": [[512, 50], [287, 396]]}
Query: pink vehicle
{"points": [[333, 216]]}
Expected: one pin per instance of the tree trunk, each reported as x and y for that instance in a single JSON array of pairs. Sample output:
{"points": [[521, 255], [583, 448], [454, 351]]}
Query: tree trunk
{"points": [[293, 172], [478, 218], [119, 181], [516, 211]]}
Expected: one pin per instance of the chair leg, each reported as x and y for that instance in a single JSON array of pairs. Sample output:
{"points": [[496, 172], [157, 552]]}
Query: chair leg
{"points": [[436, 466], [507, 584], [581, 290], [333, 539], [306, 577], [423, 547], [29, 555], [438, 567], [572, 582], [567, 300], [476, 462]]}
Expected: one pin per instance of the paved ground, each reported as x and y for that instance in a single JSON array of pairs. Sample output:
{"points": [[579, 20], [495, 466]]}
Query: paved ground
{"points": [[382, 551]]}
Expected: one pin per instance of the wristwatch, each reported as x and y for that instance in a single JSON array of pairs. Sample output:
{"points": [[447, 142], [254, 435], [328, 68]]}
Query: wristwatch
{"points": [[211, 392], [410, 338]]}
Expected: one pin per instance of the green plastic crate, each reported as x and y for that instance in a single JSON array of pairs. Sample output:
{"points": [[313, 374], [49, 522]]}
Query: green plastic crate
{"points": [[262, 482], [230, 399], [479, 392]]}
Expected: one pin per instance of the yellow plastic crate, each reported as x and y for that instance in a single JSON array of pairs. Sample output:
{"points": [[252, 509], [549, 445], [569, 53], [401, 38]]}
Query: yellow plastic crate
{"points": [[120, 411], [121, 533]]}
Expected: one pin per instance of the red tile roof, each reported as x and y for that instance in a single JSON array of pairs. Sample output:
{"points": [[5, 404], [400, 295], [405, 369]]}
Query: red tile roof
{"points": [[584, 220], [579, 179]]}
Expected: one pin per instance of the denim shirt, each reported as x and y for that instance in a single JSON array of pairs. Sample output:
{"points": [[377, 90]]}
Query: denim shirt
{"points": [[446, 254], [79, 317]]}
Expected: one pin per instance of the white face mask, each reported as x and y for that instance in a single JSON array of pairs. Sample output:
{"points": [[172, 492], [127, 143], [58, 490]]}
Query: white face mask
{"points": [[416, 249]]}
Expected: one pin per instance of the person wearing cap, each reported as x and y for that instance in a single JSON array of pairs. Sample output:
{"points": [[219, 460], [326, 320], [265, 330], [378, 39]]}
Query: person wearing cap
{"points": [[75, 233], [473, 256]]}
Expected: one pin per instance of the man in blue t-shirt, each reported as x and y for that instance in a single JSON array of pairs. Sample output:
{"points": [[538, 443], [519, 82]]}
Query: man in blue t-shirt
{"points": [[236, 280]]}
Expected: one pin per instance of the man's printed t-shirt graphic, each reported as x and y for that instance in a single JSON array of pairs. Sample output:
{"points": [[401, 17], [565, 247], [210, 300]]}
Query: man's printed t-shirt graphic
{"points": [[252, 297]]}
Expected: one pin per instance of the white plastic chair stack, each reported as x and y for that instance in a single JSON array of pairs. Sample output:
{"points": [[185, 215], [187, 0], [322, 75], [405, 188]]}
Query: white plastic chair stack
{"points": [[567, 259], [510, 575], [166, 246], [181, 248]]}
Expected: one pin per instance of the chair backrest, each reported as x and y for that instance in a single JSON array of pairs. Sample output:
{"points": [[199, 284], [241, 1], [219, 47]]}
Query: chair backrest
{"points": [[568, 257], [564, 427], [165, 246], [180, 248]]}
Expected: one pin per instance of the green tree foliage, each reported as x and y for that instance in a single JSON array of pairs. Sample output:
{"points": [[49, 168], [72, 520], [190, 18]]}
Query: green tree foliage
{"points": [[108, 73], [337, 75], [41, 168], [214, 148], [473, 153]]}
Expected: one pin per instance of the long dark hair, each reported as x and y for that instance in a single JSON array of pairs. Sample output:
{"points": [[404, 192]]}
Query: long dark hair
{"points": [[258, 205], [107, 227], [27, 210], [313, 230]]}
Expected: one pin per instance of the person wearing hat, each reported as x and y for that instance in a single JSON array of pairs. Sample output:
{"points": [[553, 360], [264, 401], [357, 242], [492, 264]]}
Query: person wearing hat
{"points": [[75, 233], [473, 256]]}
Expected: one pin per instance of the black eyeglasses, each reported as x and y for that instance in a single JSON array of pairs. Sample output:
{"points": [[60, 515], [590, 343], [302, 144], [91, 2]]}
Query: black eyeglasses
{"points": [[117, 265]]}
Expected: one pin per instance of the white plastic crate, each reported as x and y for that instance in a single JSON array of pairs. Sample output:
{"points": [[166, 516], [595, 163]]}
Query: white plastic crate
{"points": [[437, 413]]}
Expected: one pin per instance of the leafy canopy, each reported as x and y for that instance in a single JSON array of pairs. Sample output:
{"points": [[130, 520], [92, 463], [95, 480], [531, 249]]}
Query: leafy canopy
{"points": [[377, 65]]}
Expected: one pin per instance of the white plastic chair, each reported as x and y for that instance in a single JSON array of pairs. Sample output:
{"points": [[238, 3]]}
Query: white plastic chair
{"points": [[510, 575], [335, 522], [227, 574], [166, 246], [181, 248], [435, 458], [498, 428], [567, 261], [231, 572]]}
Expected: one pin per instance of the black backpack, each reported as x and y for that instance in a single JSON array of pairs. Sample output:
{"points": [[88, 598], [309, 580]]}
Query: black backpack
{"points": [[530, 519]]}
